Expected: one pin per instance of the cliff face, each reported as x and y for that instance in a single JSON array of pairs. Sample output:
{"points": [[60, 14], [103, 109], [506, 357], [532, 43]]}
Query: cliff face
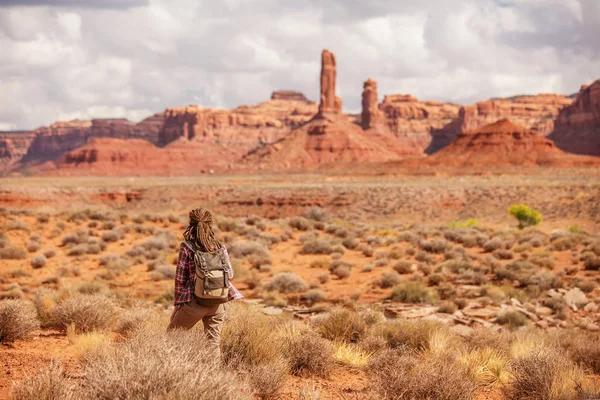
{"points": [[244, 125], [536, 113], [504, 143], [577, 127], [13, 146], [53, 141]]}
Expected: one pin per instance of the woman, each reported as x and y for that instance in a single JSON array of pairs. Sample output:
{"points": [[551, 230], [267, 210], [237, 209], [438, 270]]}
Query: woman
{"points": [[188, 308]]}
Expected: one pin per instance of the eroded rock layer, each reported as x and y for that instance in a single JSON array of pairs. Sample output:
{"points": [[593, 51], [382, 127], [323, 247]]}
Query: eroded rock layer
{"points": [[577, 127]]}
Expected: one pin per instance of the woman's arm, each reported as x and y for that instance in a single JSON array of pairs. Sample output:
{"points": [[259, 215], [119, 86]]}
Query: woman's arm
{"points": [[183, 292]]}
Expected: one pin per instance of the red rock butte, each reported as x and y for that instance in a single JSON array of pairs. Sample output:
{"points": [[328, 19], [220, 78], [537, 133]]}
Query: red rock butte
{"points": [[504, 143]]}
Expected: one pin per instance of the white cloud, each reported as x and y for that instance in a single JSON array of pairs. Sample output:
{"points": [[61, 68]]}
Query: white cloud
{"points": [[85, 59]]}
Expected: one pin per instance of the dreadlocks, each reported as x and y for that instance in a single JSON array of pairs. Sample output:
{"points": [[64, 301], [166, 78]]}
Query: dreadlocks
{"points": [[200, 232]]}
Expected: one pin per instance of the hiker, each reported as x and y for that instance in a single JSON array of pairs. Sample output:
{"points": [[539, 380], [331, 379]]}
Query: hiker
{"points": [[202, 279]]}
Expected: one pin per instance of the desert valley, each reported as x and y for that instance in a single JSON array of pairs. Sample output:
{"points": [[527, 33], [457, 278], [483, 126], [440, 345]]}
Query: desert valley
{"points": [[414, 250]]}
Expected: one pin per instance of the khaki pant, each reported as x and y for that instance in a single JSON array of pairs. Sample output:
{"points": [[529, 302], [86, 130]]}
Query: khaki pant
{"points": [[212, 317]]}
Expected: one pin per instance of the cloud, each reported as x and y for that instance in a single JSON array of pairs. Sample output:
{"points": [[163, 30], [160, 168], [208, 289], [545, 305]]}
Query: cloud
{"points": [[129, 57], [119, 4]]}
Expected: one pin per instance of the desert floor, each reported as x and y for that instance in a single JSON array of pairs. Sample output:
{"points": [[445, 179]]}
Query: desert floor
{"points": [[351, 240]]}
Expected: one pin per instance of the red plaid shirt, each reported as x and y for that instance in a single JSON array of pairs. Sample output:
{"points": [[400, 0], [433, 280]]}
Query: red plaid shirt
{"points": [[185, 274]]}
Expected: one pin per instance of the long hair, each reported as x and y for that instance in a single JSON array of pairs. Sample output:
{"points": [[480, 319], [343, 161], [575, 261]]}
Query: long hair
{"points": [[200, 232]]}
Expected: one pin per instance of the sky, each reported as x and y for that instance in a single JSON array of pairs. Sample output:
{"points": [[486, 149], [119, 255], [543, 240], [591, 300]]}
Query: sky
{"points": [[83, 59]]}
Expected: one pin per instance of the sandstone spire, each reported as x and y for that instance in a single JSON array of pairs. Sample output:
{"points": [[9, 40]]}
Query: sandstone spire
{"points": [[329, 102], [371, 116]]}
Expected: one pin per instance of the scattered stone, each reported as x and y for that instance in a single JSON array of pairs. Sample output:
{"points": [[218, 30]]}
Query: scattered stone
{"points": [[272, 311], [591, 307], [575, 298], [543, 311], [592, 327], [462, 330]]}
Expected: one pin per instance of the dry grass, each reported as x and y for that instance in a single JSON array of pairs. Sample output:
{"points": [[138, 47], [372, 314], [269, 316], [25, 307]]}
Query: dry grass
{"points": [[341, 325], [351, 355], [397, 375], [159, 365], [18, 320], [309, 354], [86, 312], [287, 282], [489, 366], [48, 384], [413, 292], [546, 374]]}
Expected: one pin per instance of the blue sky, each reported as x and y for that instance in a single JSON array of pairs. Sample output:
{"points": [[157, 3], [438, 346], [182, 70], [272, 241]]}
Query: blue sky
{"points": [[67, 59]]}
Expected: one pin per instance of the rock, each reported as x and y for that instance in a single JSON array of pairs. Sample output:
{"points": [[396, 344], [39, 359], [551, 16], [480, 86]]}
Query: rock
{"points": [[272, 311], [591, 307], [371, 117], [577, 127], [290, 95], [543, 311], [329, 102], [592, 327], [480, 312], [13, 146], [575, 298], [504, 143], [542, 324], [462, 330], [515, 302], [554, 294], [535, 113]]}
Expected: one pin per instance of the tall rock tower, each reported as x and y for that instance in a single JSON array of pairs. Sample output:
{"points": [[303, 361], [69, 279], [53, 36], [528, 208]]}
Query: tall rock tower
{"points": [[329, 102], [371, 116]]}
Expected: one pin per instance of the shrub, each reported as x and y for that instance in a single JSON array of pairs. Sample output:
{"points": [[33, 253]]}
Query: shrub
{"points": [[287, 282], [33, 246], [545, 374], [413, 292], [249, 338], [316, 214], [48, 383], [525, 215], [309, 354], [382, 262], [513, 319], [492, 245], [436, 279], [502, 254], [341, 324], [323, 278], [86, 312], [300, 223], [388, 279], [317, 246], [425, 257], [320, 263], [401, 376], [341, 269], [350, 243], [367, 268], [402, 267], [267, 380], [12, 253], [367, 251], [244, 248], [18, 320], [49, 253], [592, 264], [314, 296], [38, 261], [157, 365], [582, 347], [543, 260], [435, 245]]}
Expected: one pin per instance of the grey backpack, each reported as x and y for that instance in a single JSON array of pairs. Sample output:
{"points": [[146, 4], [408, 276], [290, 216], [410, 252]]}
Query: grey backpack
{"points": [[211, 280]]}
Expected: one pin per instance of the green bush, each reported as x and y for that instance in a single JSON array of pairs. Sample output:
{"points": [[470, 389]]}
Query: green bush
{"points": [[413, 292], [525, 215]]}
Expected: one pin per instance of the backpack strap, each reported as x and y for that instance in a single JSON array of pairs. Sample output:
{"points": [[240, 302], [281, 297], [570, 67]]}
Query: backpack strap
{"points": [[189, 245]]}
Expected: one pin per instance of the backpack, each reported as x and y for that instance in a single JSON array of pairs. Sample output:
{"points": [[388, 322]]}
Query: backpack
{"points": [[211, 275]]}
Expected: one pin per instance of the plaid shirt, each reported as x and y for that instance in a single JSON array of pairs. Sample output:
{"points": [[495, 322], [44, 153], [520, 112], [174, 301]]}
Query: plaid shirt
{"points": [[185, 275]]}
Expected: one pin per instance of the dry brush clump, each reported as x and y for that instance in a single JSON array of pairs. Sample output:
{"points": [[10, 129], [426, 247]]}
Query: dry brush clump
{"points": [[287, 282], [49, 383], [400, 375], [18, 320], [308, 354]]}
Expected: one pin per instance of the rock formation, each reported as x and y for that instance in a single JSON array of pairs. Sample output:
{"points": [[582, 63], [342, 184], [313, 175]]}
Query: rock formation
{"points": [[536, 113], [329, 102], [371, 117], [504, 143], [577, 127], [13, 146], [53, 141], [292, 95], [241, 129]]}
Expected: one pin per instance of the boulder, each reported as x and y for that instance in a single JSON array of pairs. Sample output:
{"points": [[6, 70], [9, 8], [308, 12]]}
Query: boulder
{"points": [[575, 298]]}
